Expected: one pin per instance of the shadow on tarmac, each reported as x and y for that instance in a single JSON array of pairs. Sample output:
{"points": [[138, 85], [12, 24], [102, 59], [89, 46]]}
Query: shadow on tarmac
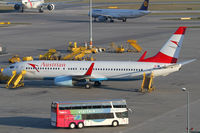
{"points": [[24, 121], [74, 21], [119, 89], [40, 83], [7, 11]]}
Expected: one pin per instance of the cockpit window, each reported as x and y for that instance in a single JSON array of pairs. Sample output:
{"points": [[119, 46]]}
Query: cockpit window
{"points": [[11, 67]]}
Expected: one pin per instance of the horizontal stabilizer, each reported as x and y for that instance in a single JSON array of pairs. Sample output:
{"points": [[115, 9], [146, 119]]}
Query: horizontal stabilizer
{"points": [[186, 62]]}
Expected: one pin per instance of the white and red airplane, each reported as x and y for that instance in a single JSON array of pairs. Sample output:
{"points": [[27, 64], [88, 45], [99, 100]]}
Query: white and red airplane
{"points": [[71, 73], [30, 4]]}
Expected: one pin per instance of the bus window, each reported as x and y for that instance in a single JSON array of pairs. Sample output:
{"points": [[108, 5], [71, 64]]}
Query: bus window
{"points": [[122, 114], [119, 106], [97, 116]]}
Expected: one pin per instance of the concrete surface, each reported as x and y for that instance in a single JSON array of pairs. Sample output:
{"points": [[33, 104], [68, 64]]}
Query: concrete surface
{"points": [[27, 109]]}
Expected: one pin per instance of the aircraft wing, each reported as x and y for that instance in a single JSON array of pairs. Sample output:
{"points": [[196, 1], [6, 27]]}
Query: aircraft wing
{"points": [[67, 80], [87, 75]]}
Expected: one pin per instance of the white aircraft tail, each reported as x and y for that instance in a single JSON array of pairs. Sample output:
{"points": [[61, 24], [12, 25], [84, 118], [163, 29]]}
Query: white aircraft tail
{"points": [[169, 53]]}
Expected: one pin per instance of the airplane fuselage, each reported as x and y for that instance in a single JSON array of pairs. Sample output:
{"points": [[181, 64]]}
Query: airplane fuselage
{"points": [[32, 4], [103, 70], [119, 13]]}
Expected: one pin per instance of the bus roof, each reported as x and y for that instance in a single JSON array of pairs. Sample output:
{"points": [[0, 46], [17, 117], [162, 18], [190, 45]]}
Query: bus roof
{"points": [[122, 101]]}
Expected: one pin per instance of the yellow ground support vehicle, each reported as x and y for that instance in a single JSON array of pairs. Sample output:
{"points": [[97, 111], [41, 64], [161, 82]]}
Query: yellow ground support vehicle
{"points": [[52, 54], [147, 83], [14, 59], [27, 58], [117, 49], [135, 47], [75, 48], [5, 22], [16, 80], [80, 56], [71, 55], [90, 58]]}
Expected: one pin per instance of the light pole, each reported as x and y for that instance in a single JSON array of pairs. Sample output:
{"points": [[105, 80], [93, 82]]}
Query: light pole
{"points": [[90, 24], [188, 110]]}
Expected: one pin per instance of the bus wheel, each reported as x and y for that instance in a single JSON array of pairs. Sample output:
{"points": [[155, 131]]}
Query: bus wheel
{"points": [[115, 123], [72, 125], [80, 125]]}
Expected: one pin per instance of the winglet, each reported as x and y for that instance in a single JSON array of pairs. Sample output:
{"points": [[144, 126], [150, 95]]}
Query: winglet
{"points": [[89, 72], [143, 56]]}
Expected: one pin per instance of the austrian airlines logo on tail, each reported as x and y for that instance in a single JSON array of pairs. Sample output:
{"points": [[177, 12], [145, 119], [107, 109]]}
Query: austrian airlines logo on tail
{"points": [[176, 43], [34, 66]]}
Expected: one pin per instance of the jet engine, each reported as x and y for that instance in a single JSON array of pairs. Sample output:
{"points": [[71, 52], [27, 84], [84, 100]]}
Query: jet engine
{"points": [[51, 7], [17, 6], [102, 18], [63, 81]]}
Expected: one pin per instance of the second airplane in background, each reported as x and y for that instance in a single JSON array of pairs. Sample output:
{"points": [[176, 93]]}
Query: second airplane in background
{"points": [[30, 4], [104, 15]]}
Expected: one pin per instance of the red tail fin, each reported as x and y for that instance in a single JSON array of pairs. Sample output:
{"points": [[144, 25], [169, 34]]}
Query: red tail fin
{"points": [[170, 51]]}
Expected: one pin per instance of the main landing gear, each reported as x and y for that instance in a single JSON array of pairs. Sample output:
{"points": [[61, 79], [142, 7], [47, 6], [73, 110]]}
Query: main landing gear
{"points": [[89, 85], [124, 20], [41, 10]]}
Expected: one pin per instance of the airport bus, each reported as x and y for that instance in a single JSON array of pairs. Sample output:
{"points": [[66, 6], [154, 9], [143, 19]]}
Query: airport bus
{"points": [[78, 114]]}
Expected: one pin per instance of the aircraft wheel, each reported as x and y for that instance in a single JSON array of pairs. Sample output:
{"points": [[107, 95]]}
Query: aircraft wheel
{"points": [[22, 8], [124, 20], [87, 86], [41, 10]]}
